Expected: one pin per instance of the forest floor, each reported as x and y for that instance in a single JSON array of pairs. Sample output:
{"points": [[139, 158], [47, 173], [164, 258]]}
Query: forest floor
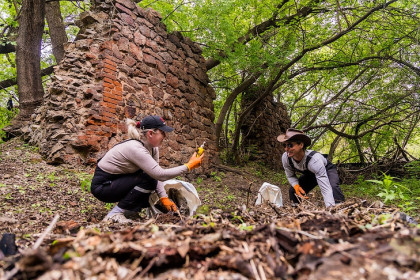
{"points": [[229, 238]]}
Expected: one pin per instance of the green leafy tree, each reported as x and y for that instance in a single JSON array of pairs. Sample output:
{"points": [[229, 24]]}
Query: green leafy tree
{"points": [[345, 69]]}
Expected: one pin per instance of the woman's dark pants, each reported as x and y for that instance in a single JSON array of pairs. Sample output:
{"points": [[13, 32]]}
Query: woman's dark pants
{"points": [[308, 182], [131, 191]]}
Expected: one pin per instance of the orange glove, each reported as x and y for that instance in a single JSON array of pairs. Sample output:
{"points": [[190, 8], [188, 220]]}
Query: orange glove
{"points": [[194, 161], [169, 204], [299, 191]]}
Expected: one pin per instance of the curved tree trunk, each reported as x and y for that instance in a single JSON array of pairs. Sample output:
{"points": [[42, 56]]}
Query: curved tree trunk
{"points": [[57, 29], [334, 144], [230, 99], [28, 57]]}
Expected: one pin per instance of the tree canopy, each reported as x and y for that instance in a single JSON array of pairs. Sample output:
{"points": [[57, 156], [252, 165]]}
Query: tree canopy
{"points": [[347, 71]]}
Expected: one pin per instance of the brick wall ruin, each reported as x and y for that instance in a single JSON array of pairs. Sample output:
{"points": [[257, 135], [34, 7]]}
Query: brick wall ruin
{"points": [[123, 64], [260, 130]]}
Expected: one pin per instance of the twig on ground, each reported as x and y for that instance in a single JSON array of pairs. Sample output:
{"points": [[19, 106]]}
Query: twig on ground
{"points": [[148, 267], [47, 231], [274, 208], [301, 232], [36, 245]]}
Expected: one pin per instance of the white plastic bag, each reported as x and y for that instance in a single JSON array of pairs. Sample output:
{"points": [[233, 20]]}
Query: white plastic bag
{"points": [[186, 189], [271, 193]]}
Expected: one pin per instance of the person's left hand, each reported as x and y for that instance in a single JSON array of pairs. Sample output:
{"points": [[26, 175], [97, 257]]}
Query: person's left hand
{"points": [[168, 204]]}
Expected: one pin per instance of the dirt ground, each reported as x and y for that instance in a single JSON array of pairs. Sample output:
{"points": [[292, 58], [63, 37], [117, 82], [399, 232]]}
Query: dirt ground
{"points": [[32, 192], [229, 238]]}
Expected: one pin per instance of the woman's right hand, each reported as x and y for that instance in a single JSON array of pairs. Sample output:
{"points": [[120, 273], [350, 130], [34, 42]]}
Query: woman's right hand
{"points": [[168, 204], [194, 161]]}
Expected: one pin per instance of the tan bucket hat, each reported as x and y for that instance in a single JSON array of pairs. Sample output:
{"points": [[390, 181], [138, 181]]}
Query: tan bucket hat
{"points": [[293, 135]]}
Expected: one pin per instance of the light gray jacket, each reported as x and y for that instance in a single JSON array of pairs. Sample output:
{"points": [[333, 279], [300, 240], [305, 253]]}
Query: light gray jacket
{"points": [[132, 155], [317, 166]]}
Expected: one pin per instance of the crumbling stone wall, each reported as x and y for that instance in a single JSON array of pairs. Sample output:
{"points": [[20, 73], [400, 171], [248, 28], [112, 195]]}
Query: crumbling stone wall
{"points": [[123, 64], [260, 130]]}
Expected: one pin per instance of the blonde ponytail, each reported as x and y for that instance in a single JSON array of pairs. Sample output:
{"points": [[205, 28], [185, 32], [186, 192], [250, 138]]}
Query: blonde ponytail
{"points": [[132, 130]]}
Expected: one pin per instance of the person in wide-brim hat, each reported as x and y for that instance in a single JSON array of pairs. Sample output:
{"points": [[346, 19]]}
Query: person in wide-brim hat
{"points": [[316, 169], [294, 135]]}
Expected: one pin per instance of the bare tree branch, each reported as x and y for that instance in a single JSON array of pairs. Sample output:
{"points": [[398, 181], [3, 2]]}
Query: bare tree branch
{"points": [[11, 82]]}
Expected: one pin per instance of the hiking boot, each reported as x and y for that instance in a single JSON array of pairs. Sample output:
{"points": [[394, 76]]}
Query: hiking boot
{"points": [[117, 218]]}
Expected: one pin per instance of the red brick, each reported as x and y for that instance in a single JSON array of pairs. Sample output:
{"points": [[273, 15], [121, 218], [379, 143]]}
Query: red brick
{"points": [[111, 100], [92, 128], [108, 85], [112, 58], [94, 122], [111, 67], [109, 105], [110, 115], [82, 137], [117, 94], [90, 56], [106, 45], [118, 91], [110, 62], [108, 80], [110, 76], [94, 143], [106, 119], [113, 96], [112, 125], [106, 70], [95, 117]]}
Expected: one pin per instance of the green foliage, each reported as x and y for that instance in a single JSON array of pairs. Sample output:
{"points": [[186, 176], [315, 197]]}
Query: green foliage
{"points": [[85, 180], [246, 227], [390, 190], [70, 11], [216, 176], [354, 82], [398, 193], [203, 209], [413, 168], [52, 178], [5, 117], [237, 218], [403, 193], [209, 224], [109, 206], [318, 87]]}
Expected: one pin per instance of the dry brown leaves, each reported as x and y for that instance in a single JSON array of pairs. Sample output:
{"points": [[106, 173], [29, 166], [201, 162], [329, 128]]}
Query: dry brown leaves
{"points": [[345, 242]]}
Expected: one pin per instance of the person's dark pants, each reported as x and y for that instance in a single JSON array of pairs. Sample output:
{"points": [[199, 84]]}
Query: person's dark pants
{"points": [[308, 182], [131, 191]]}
